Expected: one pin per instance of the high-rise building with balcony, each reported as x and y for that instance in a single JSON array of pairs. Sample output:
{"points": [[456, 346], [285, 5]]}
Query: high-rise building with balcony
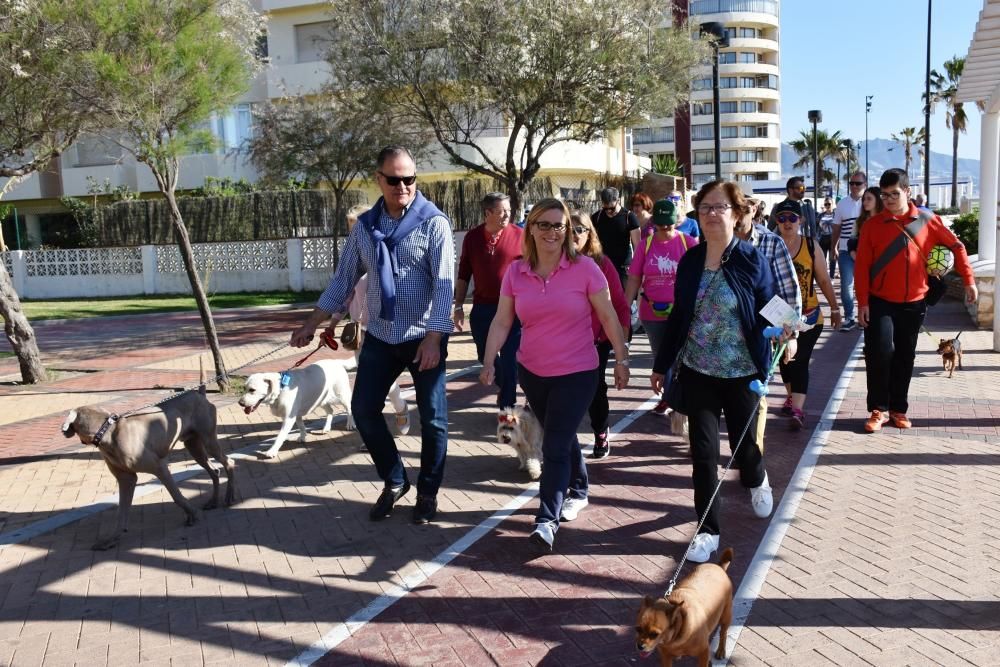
{"points": [[749, 98]]}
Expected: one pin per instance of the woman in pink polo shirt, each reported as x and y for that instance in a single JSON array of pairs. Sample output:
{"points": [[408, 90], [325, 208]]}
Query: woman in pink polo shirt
{"points": [[553, 292]]}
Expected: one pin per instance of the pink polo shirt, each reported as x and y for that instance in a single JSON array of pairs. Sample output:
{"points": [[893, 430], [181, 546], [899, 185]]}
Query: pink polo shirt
{"points": [[556, 336]]}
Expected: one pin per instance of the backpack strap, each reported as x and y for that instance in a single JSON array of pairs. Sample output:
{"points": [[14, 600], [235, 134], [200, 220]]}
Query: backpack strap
{"points": [[908, 233]]}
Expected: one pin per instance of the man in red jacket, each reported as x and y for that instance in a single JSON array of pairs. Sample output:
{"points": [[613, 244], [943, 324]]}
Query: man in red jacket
{"points": [[890, 279]]}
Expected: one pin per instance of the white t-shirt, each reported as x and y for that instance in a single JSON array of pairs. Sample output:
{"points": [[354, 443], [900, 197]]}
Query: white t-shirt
{"points": [[845, 214]]}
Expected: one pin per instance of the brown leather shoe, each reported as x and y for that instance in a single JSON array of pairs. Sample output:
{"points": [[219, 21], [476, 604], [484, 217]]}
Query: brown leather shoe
{"points": [[899, 420], [874, 423]]}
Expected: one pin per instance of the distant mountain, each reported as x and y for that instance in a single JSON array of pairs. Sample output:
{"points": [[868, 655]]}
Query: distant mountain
{"points": [[885, 154]]}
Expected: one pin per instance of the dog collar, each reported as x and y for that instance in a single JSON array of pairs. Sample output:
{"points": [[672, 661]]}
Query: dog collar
{"points": [[96, 442]]}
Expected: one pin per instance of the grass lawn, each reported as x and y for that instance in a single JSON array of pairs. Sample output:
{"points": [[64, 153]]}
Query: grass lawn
{"points": [[166, 303]]}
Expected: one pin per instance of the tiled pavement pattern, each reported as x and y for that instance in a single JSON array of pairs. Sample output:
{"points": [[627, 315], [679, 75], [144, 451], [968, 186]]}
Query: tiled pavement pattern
{"points": [[890, 559]]}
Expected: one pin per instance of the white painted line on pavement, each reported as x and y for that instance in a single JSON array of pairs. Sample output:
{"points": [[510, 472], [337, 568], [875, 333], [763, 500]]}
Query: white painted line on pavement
{"points": [[358, 620], [33, 530], [767, 550]]}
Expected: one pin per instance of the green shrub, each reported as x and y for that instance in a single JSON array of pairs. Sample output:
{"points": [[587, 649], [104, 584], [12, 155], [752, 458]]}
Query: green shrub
{"points": [[947, 210], [966, 228]]}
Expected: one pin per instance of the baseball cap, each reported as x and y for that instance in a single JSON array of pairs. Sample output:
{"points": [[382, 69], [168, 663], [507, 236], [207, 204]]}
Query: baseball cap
{"points": [[609, 195], [664, 213], [787, 206]]}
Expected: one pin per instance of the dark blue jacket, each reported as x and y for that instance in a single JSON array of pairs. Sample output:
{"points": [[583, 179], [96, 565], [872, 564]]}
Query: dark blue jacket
{"points": [[751, 280]]}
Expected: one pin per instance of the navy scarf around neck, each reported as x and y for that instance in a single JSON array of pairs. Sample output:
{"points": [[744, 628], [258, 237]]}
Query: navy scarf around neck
{"points": [[419, 211]]}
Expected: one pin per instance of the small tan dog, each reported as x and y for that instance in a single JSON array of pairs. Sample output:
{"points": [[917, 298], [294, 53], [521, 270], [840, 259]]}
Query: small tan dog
{"points": [[520, 429], [951, 353], [683, 624]]}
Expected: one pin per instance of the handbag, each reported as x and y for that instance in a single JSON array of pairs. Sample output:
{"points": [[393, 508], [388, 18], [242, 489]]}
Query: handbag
{"points": [[350, 335]]}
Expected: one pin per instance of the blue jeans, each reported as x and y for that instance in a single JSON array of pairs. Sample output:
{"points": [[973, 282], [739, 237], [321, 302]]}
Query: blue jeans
{"points": [[506, 362], [559, 403], [378, 367], [847, 284]]}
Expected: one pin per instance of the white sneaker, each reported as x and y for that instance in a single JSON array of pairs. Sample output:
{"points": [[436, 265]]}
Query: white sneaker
{"points": [[403, 422], [543, 536], [571, 508], [702, 548], [761, 499]]}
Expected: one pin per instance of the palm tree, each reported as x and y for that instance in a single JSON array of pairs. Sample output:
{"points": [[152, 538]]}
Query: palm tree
{"points": [[909, 137], [827, 146], [944, 88]]}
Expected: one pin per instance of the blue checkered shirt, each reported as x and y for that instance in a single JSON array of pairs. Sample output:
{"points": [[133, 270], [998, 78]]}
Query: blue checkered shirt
{"points": [[774, 249], [425, 281]]}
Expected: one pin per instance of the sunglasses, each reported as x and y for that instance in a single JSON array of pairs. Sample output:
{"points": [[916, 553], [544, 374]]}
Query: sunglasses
{"points": [[799, 188], [788, 217], [857, 183], [396, 180], [550, 226], [674, 198], [580, 231]]}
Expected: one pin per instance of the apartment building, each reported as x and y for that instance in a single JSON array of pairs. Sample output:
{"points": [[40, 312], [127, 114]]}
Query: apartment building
{"points": [[297, 30], [749, 98]]}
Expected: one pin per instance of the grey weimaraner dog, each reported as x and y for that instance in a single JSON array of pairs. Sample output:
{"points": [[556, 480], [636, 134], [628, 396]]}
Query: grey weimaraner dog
{"points": [[141, 443]]}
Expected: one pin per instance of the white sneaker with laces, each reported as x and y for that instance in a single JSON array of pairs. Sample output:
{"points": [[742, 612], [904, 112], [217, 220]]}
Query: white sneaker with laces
{"points": [[761, 499], [571, 508], [544, 536], [702, 548]]}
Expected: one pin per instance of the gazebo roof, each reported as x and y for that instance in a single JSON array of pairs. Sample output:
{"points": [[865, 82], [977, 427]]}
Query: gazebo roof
{"points": [[980, 80]]}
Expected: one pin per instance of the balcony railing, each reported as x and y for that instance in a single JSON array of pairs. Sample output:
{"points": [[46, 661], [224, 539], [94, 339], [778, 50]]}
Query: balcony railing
{"points": [[722, 6]]}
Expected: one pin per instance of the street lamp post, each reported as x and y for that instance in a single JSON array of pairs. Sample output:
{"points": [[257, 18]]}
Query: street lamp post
{"points": [[721, 40], [815, 116], [868, 110], [927, 113]]}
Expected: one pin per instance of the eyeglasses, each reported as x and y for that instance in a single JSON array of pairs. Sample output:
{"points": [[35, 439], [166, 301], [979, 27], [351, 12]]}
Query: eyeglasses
{"points": [[705, 209], [891, 195], [550, 226], [787, 217], [580, 231], [396, 180], [857, 183], [674, 198], [798, 188]]}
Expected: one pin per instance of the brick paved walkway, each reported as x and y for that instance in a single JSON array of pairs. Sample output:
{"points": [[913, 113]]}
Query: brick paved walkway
{"points": [[889, 559]]}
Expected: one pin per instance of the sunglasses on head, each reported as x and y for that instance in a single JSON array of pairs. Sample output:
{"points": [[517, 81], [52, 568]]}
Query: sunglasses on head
{"points": [[396, 180], [788, 217]]}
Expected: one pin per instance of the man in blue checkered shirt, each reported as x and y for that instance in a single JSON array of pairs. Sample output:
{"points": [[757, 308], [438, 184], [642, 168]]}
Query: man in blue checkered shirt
{"points": [[405, 245]]}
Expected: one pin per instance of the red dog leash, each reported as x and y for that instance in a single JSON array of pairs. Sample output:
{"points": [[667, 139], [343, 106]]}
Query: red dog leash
{"points": [[326, 339]]}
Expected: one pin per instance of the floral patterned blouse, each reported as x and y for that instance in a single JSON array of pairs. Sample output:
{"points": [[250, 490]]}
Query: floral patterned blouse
{"points": [[715, 345]]}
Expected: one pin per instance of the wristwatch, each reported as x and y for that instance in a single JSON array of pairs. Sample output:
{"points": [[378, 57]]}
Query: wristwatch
{"points": [[622, 362]]}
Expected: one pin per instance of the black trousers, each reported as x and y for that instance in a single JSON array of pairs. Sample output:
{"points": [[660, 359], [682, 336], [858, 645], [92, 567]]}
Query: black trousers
{"points": [[599, 409], [796, 372], [710, 397], [890, 348]]}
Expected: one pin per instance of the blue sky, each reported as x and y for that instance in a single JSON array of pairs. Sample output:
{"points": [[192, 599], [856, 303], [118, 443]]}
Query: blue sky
{"points": [[832, 55]]}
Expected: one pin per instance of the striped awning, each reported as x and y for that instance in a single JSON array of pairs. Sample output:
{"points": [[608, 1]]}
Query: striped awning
{"points": [[980, 80]]}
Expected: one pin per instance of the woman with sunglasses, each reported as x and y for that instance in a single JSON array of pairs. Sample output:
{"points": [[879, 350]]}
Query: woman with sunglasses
{"points": [[810, 265], [586, 243], [715, 333], [654, 269], [554, 293]]}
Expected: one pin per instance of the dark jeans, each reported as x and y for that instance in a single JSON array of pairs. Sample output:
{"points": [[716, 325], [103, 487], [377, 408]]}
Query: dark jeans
{"points": [[506, 362], [599, 409], [378, 367], [559, 403], [890, 348], [796, 372], [847, 284], [828, 254], [710, 397]]}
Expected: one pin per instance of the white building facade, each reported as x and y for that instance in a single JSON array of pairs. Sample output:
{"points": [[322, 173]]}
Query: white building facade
{"points": [[749, 94]]}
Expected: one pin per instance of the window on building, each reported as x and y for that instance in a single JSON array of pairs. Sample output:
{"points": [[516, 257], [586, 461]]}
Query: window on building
{"points": [[704, 157], [754, 132], [233, 128], [701, 84], [728, 131], [747, 58], [749, 33], [96, 151], [748, 82], [731, 33], [311, 41], [729, 156], [728, 58], [767, 81], [749, 107], [652, 135], [702, 108], [728, 107], [725, 82], [759, 155], [700, 132]]}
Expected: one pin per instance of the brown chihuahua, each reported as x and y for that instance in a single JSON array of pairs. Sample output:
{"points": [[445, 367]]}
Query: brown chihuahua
{"points": [[683, 623], [951, 353]]}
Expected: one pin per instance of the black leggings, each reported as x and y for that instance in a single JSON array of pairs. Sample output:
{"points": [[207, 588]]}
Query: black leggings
{"points": [[796, 371]]}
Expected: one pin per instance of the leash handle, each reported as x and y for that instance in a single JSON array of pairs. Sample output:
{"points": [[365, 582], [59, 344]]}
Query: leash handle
{"points": [[326, 339]]}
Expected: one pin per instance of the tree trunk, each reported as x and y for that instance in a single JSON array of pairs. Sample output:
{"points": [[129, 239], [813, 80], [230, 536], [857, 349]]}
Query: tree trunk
{"points": [[954, 166], [187, 254], [19, 332], [516, 200]]}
